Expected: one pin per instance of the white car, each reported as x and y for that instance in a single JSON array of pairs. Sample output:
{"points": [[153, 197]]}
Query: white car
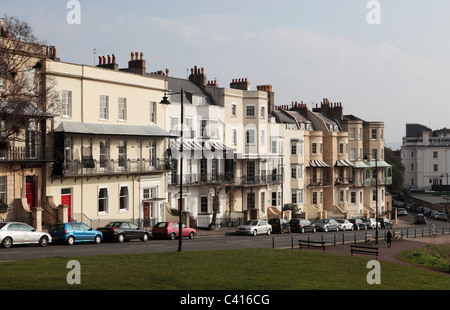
{"points": [[21, 233], [254, 227], [345, 225], [401, 211], [371, 223]]}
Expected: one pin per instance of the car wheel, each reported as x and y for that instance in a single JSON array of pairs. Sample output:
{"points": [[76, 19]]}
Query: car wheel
{"points": [[303, 230], [120, 238], [7, 242], [255, 233], [268, 232], [172, 236], [326, 229], [191, 235], [97, 239], [343, 228], [43, 241], [145, 237], [314, 230], [70, 240]]}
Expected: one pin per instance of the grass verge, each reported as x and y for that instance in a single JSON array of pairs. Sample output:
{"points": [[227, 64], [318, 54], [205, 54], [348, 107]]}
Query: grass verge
{"points": [[432, 256], [244, 269]]}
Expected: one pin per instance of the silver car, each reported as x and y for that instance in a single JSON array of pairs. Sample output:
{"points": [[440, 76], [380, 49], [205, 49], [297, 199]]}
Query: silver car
{"points": [[345, 225], [254, 227], [21, 233], [327, 225]]}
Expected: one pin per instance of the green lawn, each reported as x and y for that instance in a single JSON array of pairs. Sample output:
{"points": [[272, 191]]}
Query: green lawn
{"points": [[431, 256], [246, 269]]}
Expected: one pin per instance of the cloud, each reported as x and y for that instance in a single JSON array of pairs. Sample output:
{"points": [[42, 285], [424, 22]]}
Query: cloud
{"points": [[373, 81]]}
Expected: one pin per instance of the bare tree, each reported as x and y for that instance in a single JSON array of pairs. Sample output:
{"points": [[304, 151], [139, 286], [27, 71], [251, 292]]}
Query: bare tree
{"points": [[216, 204], [26, 93]]}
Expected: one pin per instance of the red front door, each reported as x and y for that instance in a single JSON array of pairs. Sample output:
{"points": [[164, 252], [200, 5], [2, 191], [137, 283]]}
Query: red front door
{"points": [[66, 199], [147, 214], [31, 194]]}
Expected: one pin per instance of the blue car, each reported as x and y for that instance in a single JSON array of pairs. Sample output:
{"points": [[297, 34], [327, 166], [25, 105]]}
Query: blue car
{"points": [[74, 232]]}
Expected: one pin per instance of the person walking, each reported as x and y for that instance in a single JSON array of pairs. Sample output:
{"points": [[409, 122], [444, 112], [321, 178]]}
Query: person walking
{"points": [[389, 238]]}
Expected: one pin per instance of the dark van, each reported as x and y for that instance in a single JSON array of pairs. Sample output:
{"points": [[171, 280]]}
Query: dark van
{"points": [[280, 226]]}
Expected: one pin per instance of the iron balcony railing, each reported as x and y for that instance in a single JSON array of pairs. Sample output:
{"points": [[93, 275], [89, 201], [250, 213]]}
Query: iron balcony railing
{"points": [[91, 167], [212, 178], [26, 154], [317, 182]]}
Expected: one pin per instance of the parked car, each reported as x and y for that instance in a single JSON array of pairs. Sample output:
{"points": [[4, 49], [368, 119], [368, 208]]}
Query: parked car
{"points": [[254, 227], [420, 219], [302, 225], [280, 225], [358, 224], [433, 213], [385, 223], [120, 231], [441, 216], [371, 223], [172, 230], [12, 233], [71, 233], [402, 212], [327, 225], [398, 203], [426, 212], [345, 225]]}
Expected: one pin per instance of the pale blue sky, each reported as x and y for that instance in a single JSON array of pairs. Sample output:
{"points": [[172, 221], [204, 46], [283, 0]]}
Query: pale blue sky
{"points": [[397, 72]]}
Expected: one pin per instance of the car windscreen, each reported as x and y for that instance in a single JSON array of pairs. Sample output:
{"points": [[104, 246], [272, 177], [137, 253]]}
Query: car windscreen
{"points": [[252, 223], [161, 225], [57, 227], [113, 224]]}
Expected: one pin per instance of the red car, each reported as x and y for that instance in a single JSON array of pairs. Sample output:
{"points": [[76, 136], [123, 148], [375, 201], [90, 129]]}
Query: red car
{"points": [[171, 230]]}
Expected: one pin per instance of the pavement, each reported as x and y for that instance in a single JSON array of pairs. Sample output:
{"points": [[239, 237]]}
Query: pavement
{"points": [[384, 253]]}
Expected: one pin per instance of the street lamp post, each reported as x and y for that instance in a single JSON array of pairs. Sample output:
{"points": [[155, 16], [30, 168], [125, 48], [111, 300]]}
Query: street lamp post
{"points": [[165, 101], [376, 196], [446, 186]]}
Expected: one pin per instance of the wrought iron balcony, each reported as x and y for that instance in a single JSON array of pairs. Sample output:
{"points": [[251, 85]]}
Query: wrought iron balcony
{"points": [[26, 154], [317, 182], [92, 167], [227, 178]]}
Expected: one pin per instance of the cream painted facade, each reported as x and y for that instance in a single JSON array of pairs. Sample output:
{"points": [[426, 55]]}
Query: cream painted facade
{"points": [[258, 143], [110, 147]]}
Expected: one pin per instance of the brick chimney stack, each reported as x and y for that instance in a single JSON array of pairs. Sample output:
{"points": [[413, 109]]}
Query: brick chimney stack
{"points": [[242, 84], [108, 62], [198, 77], [333, 109], [137, 63], [270, 96]]}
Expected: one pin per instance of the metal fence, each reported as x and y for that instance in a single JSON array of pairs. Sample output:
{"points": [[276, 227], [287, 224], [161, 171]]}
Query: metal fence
{"points": [[365, 236]]}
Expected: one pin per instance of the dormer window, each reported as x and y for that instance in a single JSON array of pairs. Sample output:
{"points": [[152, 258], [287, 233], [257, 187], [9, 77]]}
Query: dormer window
{"points": [[197, 100]]}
